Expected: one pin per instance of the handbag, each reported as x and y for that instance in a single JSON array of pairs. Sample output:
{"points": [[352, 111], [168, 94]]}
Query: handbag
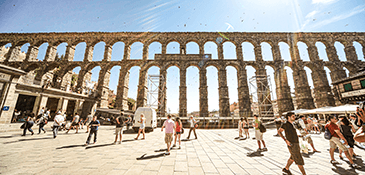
{"points": [[182, 130], [327, 134], [23, 126], [262, 128]]}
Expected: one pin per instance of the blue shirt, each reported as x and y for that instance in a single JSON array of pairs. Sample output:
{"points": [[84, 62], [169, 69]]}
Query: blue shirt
{"points": [[96, 122]]}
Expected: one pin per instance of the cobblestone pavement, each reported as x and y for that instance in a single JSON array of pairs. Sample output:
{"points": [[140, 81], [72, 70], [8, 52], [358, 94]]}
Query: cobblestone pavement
{"points": [[214, 152]]}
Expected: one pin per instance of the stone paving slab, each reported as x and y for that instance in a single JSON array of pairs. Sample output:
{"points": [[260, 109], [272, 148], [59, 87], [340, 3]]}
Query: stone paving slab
{"points": [[215, 152]]}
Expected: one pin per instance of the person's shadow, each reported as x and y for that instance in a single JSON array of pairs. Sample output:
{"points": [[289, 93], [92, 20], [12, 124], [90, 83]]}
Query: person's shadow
{"points": [[145, 156], [70, 146], [254, 154], [96, 146]]}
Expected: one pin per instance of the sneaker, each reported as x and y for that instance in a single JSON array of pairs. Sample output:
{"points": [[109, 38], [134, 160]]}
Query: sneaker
{"points": [[355, 166], [264, 149], [179, 147], [32, 133], [174, 145], [334, 162], [114, 143], [167, 153], [286, 171], [119, 142], [259, 150], [86, 144], [44, 131]]}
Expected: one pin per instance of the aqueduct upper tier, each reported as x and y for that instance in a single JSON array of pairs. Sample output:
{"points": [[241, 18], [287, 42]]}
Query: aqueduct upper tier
{"points": [[59, 70]]}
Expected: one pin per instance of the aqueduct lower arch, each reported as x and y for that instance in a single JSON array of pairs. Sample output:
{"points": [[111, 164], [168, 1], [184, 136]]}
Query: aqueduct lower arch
{"points": [[322, 91]]}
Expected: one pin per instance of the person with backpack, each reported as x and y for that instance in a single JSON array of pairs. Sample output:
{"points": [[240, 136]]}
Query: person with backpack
{"points": [[120, 124], [259, 134], [335, 141], [346, 129]]}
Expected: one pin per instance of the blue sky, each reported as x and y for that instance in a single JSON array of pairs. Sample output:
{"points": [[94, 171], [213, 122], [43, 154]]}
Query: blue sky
{"points": [[186, 16]]}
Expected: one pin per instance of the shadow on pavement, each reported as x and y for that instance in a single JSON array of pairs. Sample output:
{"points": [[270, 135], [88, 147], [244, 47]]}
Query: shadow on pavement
{"points": [[96, 146], [22, 140], [341, 170], [144, 157], [185, 140], [70, 146], [254, 154], [5, 137], [307, 155], [130, 140], [165, 149]]}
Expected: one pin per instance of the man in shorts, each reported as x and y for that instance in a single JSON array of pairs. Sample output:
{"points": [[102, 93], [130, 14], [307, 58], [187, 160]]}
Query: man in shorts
{"points": [[335, 141], [258, 134], [169, 132], [75, 123], [291, 139], [121, 121]]}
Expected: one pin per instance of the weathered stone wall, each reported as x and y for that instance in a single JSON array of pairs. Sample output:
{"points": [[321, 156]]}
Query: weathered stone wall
{"points": [[322, 93]]}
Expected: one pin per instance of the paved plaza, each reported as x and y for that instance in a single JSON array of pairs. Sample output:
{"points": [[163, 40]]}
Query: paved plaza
{"points": [[214, 152]]}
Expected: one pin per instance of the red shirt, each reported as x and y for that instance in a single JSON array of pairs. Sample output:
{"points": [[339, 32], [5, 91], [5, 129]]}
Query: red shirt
{"points": [[178, 127], [332, 127]]}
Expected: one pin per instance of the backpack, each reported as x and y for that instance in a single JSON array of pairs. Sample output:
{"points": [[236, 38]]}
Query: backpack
{"points": [[262, 127], [327, 134]]}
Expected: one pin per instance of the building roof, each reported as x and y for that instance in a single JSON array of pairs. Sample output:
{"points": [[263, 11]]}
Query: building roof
{"points": [[357, 75]]}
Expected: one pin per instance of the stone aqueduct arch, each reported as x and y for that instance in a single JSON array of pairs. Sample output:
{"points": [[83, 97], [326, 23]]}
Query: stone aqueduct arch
{"points": [[322, 91]]}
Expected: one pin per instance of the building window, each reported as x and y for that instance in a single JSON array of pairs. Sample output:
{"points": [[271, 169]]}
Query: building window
{"points": [[348, 87], [362, 82]]}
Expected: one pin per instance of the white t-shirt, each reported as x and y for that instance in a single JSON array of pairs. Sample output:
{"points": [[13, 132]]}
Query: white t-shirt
{"points": [[77, 117], [302, 124], [59, 118], [192, 122]]}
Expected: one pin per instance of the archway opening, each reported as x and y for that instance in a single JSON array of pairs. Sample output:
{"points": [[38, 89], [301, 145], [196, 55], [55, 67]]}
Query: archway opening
{"points": [[42, 49], [98, 53], [213, 92], [211, 48], [232, 83], [80, 51], [192, 84], [340, 49], [192, 48], [61, 51], [359, 50], [285, 51], [133, 82], [322, 54], [229, 50], [136, 51], [172, 92], [266, 51], [154, 48], [173, 48], [303, 51], [113, 84], [248, 51], [118, 51]]}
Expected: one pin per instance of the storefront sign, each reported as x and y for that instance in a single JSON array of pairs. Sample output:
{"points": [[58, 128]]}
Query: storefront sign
{"points": [[6, 108], [5, 77], [353, 93]]}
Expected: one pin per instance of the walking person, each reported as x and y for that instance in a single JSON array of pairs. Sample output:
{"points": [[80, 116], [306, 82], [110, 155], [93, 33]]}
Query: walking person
{"points": [[240, 127], [292, 141], [278, 122], [258, 134], [75, 123], [246, 127], [169, 132], [335, 142], [87, 122], [193, 125], [178, 131], [41, 122], [121, 121], [28, 124], [346, 129], [47, 114], [304, 132], [94, 126], [58, 120], [142, 127]]}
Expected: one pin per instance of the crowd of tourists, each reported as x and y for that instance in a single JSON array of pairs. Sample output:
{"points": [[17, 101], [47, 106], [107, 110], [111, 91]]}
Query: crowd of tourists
{"points": [[342, 131]]}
